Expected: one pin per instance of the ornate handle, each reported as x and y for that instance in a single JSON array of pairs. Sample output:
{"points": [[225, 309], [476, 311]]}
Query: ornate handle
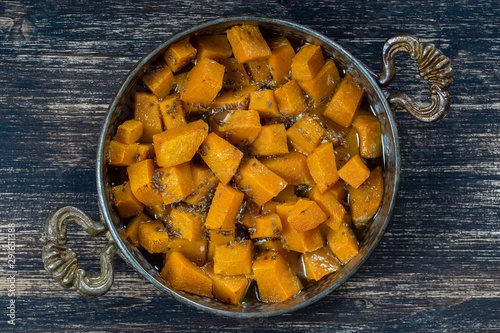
{"points": [[62, 262], [433, 66]]}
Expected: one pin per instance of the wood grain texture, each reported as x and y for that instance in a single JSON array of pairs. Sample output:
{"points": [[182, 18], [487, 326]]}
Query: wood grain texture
{"points": [[438, 265]]}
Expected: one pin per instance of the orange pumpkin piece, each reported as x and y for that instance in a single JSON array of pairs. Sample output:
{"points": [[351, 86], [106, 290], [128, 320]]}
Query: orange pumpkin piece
{"points": [[123, 154], [184, 275], [179, 81], [175, 182], [322, 166], [142, 184], [178, 145], [240, 127], [275, 280], [195, 251], [280, 60], [147, 111], [348, 148], [306, 215], [292, 167], [365, 200], [333, 131], [129, 131], [330, 205], [234, 258], [260, 72], [218, 237], [370, 135], [125, 202], [261, 183], [272, 140], [307, 62], [305, 135], [339, 191], [343, 243], [287, 195], [203, 83], [153, 236], [322, 85], [159, 79], [234, 99], [319, 263], [221, 157], [354, 172], [294, 240], [215, 47], [266, 226], [159, 212], [345, 101], [228, 288], [250, 212], [270, 206], [247, 43], [264, 103], [172, 112], [271, 245], [235, 74], [133, 228], [290, 98], [179, 54], [186, 225], [224, 208], [204, 181]]}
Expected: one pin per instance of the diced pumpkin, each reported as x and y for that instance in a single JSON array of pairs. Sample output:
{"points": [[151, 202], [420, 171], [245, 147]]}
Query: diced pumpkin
{"points": [[272, 140], [370, 135], [260, 72], [234, 258], [348, 147], [330, 205], [287, 195], [250, 212], [153, 236], [147, 111], [270, 206], [218, 237], [129, 131], [305, 135], [234, 99], [175, 182], [178, 145], [179, 54], [322, 166], [204, 181], [186, 225], [239, 127], [123, 154], [261, 183], [339, 191], [224, 208], [184, 275], [292, 167], [307, 62], [280, 60], [203, 83], [365, 200], [345, 101], [247, 43], [172, 112], [343, 243], [290, 98], [322, 85], [179, 81], [215, 47], [159, 79], [221, 157], [275, 280], [294, 240], [125, 202], [319, 263], [228, 288], [133, 228], [333, 131], [264, 103], [266, 226], [195, 251], [354, 172], [159, 212], [274, 245], [306, 215], [235, 74], [142, 184]]}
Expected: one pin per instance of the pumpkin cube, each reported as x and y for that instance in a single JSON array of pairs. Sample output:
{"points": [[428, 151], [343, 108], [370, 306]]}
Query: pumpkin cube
{"points": [[228, 288], [322, 85], [370, 135], [307, 62], [280, 60], [365, 200], [218, 237], [272, 140], [235, 74], [264, 103], [287, 195], [224, 208], [260, 72], [345, 101], [178, 145], [203, 83], [186, 225], [266, 226], [234, 99], [330, 205], [179, 54], [339, 191], [305, 135], [204, 181], [292, 167], [125, 202], [343, 243], [153, 236], [147, 111], [172, 112], [354, 172], [195, 251], [348, 147], [322, 166], [290, 98], [123, 154], [215, 47], [133, 228], [319, 263], [248, 43], [142, 184], [159, 79], [175, 182], [306, 215], [129, 131], [261, 183], [234, 258]]}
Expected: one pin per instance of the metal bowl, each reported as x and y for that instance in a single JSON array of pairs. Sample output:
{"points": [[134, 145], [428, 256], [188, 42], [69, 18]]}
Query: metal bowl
{"points": [[61, 261]]}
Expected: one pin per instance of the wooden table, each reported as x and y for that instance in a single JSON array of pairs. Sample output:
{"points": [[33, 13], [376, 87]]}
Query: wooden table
{"points": [[437, 267]]}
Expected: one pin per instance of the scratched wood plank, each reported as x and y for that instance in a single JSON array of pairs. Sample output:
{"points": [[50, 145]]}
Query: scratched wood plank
{"points": [[436, 268]]}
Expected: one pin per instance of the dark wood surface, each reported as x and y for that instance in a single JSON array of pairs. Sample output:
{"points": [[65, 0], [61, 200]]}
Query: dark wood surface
{"points": [[437, 267]]}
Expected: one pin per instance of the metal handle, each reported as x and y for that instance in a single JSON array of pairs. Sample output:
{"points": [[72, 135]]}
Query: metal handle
{"points": [[433, 66], [62, 262]]}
